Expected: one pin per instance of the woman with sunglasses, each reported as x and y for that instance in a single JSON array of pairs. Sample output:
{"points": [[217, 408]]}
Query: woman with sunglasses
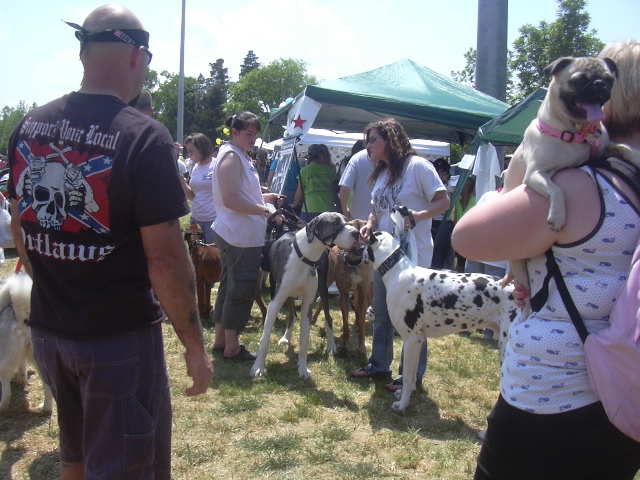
{"points": [[400, 177]]}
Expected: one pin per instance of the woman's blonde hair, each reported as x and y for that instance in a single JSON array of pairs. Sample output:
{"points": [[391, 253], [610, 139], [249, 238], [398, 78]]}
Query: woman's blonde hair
{"points": [[623, 109]]}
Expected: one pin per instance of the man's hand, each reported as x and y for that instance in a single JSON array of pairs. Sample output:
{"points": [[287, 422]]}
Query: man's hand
{"points": [[200, 369]]}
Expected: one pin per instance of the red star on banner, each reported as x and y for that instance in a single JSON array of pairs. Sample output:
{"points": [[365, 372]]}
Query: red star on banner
{"points": [[298, 122]]}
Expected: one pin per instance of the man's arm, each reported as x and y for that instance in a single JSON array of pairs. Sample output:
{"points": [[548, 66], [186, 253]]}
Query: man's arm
{"points": [[173, 281]]}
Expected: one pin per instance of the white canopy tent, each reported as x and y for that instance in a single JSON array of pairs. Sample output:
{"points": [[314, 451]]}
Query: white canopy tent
{"points": [[340, 144]]}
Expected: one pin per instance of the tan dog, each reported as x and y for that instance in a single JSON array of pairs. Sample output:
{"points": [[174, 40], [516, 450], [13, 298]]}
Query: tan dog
{"points": [[566, 133], [351, 274]]}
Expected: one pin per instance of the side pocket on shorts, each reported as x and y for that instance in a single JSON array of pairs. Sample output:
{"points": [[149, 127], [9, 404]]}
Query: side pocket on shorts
{"points": [[244, 286], [139, 438], [37, 349]]}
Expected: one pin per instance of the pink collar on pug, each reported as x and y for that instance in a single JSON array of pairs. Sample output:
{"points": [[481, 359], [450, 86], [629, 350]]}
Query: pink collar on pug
{"points": [[587, 133]]}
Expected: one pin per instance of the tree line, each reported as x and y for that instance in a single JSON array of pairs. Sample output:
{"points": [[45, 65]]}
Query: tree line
{"points": [[259, 88]]}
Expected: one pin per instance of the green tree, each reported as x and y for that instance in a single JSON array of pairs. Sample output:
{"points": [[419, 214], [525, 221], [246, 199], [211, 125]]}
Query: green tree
{"points": [[267, 86], [152, 81], [537, 47], [217, 96], [250, 63], [165, 103], [9, 119], [467, 76]]}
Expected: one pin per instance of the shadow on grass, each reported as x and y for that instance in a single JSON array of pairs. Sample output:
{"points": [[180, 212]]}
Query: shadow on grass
{"points": [[18, 419]]}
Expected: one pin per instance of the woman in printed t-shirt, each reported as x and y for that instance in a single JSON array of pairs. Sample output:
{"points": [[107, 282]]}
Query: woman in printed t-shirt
{"points": [[198, 190]]}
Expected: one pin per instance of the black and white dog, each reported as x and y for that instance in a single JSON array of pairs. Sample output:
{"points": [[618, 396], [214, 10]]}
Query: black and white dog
{"points": [[294, 260], [425, 303]]}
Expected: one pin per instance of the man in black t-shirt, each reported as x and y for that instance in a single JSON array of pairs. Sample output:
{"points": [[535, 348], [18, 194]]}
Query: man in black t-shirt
{"points": [[97, 202]]}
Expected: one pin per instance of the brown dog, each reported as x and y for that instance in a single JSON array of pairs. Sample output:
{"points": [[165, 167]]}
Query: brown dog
{"points": [[351, 274], [206, 261]]}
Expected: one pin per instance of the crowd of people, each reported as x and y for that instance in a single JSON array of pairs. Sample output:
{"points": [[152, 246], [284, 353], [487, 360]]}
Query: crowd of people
{"points": [[104, 354]]}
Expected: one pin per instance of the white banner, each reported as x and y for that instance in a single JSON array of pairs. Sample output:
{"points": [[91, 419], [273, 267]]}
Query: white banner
{"points": [[302, 115]]}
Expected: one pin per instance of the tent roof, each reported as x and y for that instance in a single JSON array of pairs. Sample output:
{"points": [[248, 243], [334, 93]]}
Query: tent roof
{"points": [[508, 128], [428, 105]]}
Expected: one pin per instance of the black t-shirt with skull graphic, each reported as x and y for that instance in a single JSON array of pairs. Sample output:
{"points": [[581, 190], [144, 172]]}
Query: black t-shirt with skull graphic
{"points": [[88, 171]]}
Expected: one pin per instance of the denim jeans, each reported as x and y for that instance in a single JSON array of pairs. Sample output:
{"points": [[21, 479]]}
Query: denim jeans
{"points": [[383, 333], [113, 400], [206, 228]]}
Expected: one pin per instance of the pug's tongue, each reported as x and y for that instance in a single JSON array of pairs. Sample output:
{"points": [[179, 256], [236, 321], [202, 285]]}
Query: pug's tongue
{"points": [[594, 111]]}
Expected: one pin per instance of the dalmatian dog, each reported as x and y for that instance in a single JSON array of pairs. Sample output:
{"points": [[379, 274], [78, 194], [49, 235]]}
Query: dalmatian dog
{"points": [[294, 259], [425, 303]]}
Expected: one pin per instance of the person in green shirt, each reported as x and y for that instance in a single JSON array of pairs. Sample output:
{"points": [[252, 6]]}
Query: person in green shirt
{"points": [[315, 184], [466, 201]]}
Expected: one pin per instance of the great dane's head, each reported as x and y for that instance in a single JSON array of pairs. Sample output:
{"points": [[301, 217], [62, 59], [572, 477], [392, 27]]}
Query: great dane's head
{"points": [[332, 229], [381, 246]]}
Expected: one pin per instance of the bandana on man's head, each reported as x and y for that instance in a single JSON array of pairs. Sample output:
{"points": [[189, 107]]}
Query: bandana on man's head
{"points": [[132, 36]]}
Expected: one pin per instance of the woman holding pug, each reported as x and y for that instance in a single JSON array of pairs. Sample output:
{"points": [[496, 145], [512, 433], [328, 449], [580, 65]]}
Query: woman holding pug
{"points": [[400, 177], [547, 422]]}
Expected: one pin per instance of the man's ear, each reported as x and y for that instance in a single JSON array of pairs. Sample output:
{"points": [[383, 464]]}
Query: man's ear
{"points": [[137, 56]]}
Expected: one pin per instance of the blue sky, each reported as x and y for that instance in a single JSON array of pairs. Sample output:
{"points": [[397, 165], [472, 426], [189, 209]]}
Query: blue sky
{"points": [[336, 38]]}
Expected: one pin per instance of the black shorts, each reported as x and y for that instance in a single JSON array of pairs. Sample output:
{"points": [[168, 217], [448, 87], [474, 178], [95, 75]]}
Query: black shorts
{"points": [[580, 444]]}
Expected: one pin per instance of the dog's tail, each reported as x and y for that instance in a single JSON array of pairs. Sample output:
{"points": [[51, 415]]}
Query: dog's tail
{"points": [[5, 294], [19, 293]]}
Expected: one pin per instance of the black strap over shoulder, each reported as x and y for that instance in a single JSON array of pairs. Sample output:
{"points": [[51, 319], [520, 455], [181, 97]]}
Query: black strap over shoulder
{"points": [[578, 323], [626, 170], [631, 175]]}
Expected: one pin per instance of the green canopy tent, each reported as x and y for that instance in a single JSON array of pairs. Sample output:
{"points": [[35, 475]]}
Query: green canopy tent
{"points": [[428, 105], [508, 128], [505, 129]]}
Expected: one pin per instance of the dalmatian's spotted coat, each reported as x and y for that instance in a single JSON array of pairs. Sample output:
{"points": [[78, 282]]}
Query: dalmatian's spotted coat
{"points": [[425, 303]]}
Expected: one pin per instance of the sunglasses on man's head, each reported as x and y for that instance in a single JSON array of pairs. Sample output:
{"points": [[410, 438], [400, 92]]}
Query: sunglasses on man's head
{"points": [[131, 36]]}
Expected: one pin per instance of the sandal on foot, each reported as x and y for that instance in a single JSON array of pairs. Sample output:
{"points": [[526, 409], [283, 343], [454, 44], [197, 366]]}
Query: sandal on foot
{"points": [[363, 373], [242, 356], [394, 386]]}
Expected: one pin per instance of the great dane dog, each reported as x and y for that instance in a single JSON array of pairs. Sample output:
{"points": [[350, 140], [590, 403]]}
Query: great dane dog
{"points": [[294, 261], [425, 303]]}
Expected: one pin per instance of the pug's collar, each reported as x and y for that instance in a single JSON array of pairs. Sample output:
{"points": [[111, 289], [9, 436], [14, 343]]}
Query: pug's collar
{"points": [[587, 133]]}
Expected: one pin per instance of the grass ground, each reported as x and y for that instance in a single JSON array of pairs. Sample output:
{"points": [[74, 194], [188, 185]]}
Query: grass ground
{"points": [[283, 427]]}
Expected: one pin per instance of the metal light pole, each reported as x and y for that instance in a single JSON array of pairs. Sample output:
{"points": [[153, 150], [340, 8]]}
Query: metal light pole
{"points": [[180, 133]]}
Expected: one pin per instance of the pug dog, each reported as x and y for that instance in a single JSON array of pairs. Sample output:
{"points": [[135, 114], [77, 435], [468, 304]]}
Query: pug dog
{"points": [[566, 133], [567, 130]]}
